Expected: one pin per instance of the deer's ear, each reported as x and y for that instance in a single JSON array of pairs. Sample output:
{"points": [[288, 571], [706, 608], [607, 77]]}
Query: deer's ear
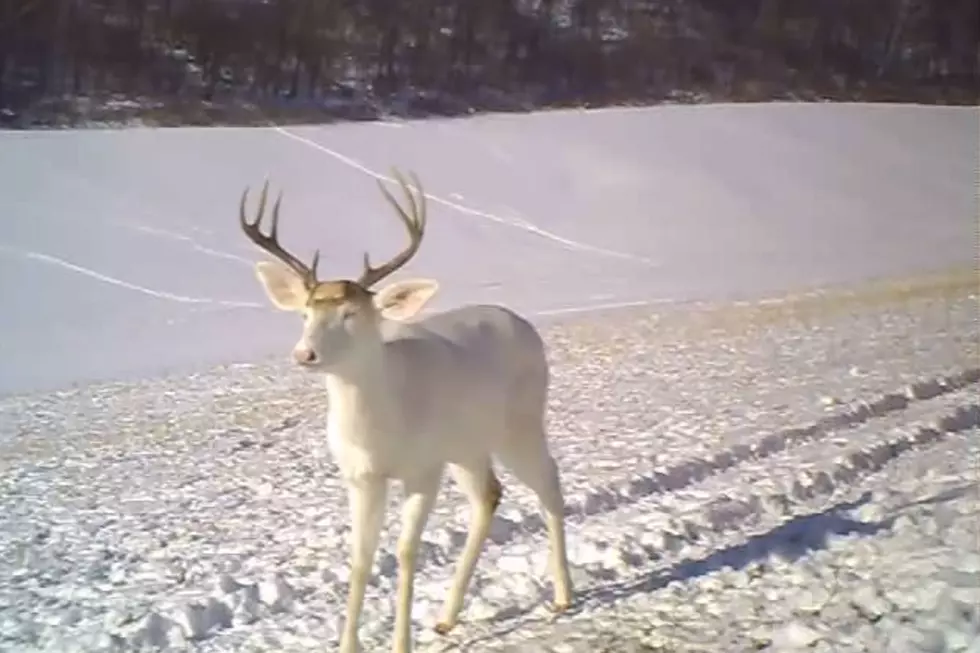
{"points": [[283, 286], [404, 299]]}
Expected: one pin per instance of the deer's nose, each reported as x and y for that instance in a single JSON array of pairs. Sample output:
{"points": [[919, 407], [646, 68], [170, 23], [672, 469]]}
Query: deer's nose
{"points": [[304, 356]]}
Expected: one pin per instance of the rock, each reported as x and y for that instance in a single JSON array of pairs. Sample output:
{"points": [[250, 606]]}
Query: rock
{"points": [[480, 610], [155, 631], [823, 483], [277, 594], [225, 584], [117, 576], [333, 576], [946, 518], [118, 617], [907, 639], [864, 637], [193, 620], [70, 617], [928, 526], [961, 578], [386, 565], [520, 585], [794, 636], [870, 513], [838, 610], [812, 600], [932, 640], [514, 564], [905, 524], [579, 575], [960, 607], [102, 643], [777, 505], [247, 605], [823, 647], [615, 559], [760, 637], [958, 641], [870, 603], [927, 598], [219, 613]]}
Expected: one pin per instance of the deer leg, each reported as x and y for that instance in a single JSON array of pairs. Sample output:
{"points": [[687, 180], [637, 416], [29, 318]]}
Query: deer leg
{"points": [[534, 466], [483, 490], [367, 501], [420, 496]]}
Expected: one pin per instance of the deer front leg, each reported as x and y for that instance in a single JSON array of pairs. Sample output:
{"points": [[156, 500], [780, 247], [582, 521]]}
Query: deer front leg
{"points": [[420, 496], [367, 500]]}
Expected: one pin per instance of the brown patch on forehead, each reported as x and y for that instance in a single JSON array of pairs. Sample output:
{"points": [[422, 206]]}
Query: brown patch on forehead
{"points": [[336, 292]]}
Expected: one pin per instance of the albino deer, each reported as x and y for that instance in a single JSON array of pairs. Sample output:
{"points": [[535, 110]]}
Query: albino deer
{"points": [[407, 398]]}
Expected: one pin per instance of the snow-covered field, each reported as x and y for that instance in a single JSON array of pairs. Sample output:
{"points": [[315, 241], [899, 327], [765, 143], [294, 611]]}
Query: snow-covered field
{"points": [[800, 474], [737, 478]]}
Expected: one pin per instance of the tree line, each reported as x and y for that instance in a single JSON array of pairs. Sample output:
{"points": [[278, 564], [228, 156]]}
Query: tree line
{"points": [[449, 56]]}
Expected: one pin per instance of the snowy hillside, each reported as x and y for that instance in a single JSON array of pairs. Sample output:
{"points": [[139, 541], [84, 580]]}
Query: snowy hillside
{"points": [[135, 231]]}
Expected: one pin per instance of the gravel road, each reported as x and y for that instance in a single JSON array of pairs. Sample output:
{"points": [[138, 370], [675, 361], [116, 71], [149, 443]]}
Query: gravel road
{"points": [[799, 474]]}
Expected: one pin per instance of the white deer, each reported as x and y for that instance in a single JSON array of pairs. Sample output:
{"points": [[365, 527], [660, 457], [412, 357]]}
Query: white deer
{"points": [[408, 398]]}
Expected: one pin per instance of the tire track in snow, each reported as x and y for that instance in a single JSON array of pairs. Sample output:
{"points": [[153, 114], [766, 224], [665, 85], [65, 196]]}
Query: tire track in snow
{"points": [[627, 491], [726, 513]]}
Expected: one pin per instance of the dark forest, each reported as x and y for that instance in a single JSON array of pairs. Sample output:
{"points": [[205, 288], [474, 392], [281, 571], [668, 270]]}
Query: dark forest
{"points": [[251, 61]]}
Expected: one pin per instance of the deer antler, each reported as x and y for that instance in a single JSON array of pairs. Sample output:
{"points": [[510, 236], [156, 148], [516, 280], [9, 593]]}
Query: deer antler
{"points": [[270, 243], [414, 222]]}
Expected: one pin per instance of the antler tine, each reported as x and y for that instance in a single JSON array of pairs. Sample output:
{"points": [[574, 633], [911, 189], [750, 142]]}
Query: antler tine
{"points": [[420, 209], [414, 223], [308, 272], [270, 243]]}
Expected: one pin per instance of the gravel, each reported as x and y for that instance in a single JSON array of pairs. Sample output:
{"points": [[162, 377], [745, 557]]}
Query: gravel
{"points": [[800, 475]]}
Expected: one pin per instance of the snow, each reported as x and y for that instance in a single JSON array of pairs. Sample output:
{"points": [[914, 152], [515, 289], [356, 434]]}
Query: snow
{"points": [[127, 240], [789, 475], [177, 513]]}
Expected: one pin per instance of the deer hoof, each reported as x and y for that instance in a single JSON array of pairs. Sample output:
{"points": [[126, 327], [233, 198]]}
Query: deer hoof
{"points": [[558, 608], [443, 628]]}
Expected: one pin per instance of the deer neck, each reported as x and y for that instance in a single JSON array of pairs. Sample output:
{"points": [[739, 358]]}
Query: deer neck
{"points": [[360, 387]]}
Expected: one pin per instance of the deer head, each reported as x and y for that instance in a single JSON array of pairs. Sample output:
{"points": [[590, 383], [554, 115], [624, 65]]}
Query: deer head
{"points": [[340, 317]]}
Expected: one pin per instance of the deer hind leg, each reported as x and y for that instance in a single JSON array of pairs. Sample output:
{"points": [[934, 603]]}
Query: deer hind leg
{"points": [[483, 490], [531, 462]]}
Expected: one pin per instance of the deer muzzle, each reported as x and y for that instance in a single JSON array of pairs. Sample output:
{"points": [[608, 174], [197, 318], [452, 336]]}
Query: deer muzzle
{"points": [[304, 356]]}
